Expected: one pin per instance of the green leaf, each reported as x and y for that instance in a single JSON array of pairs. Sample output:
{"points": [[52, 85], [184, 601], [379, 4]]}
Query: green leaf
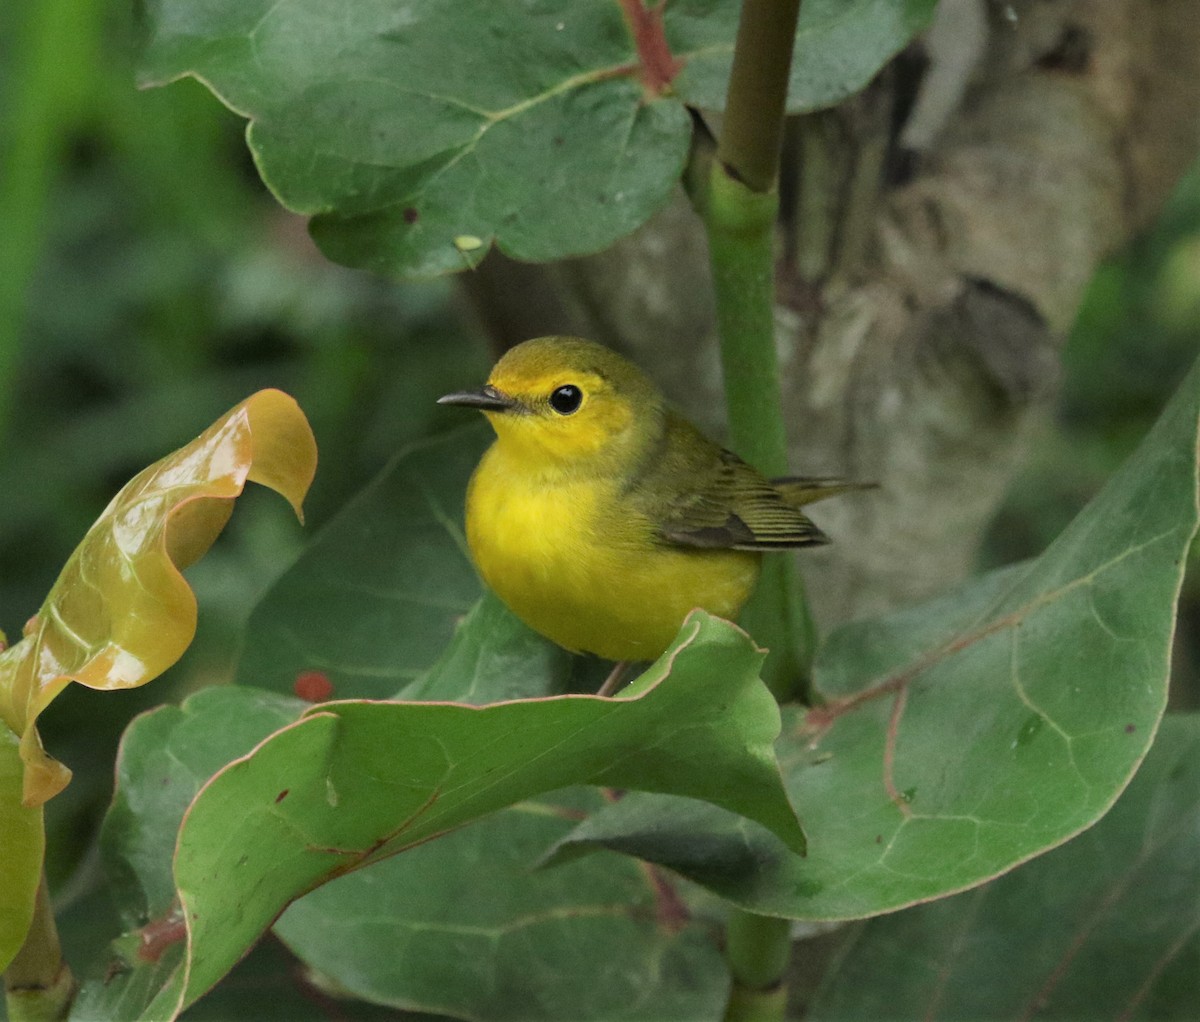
{"points": [[377, 594], [1107, 926], [470, 956], [840, 45], [965, 736], [165, 758], [492, 657], [464, 927], [22, 844], [317, 799], [419, 134]]}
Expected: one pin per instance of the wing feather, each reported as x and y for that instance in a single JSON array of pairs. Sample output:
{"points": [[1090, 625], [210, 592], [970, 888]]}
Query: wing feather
{"points": [[727, 504]]}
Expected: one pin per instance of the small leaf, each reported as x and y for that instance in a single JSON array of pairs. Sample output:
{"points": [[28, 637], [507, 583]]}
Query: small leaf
{"points": [[22, 842], [121, 613], [964, 736], [1108, 926]]}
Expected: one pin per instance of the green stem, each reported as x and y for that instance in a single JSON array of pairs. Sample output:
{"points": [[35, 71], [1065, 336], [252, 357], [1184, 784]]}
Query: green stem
{"points": [[757, 948], [740, 208], [752, 132], [38, 985], [740, 225]]}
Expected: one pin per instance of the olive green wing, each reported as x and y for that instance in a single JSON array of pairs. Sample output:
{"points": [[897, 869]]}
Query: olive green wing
{"points": [[737, 509], [700, 495]]}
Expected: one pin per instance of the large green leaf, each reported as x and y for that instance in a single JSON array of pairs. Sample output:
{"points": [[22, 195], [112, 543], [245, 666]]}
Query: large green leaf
{"points": [[350, 931], [375, 597], [417, 133], [465, 927], [351, 783], [1106, 927], [965, 736], [608, 936]]}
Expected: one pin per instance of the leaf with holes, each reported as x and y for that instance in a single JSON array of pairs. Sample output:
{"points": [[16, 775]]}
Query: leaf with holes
{"points": [[417, 134], [962, 737], [1106, 927]]}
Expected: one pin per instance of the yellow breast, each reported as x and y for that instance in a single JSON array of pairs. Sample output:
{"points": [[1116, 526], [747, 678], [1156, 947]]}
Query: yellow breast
{"points": [[577, 566]]}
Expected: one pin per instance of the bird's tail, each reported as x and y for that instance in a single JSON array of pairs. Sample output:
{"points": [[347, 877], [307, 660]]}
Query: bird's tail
{"points": [[801, 490]]}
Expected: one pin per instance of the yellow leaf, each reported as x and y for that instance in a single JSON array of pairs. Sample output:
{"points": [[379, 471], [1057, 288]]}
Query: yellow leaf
{"points": [[121, 612], [22, 843]]}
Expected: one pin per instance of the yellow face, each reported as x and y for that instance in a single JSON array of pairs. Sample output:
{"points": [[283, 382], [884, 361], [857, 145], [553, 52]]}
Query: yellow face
{"points": [[564, 404], [562, 416]]}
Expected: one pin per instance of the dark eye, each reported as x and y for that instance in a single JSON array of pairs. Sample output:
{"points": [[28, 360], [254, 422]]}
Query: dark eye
{"points": [[566, 399]]}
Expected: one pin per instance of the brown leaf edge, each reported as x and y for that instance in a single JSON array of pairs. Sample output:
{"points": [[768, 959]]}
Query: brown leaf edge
{"points": [[121, 612]]}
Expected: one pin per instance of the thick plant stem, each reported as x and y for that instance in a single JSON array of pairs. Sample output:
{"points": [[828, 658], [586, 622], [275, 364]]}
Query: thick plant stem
{"points": [[38, 985], [740, 206], [757, 948], [752, 133], [740, 225]]}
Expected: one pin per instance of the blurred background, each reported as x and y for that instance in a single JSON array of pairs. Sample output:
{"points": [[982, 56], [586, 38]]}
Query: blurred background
{"points": [[148, 282]]}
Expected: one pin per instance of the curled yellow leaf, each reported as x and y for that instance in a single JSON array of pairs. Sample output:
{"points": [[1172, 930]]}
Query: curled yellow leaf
{"points": [[121, 612]]}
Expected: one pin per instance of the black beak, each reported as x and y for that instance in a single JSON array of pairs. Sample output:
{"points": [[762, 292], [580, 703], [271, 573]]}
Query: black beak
{"points": [[487, 399]]}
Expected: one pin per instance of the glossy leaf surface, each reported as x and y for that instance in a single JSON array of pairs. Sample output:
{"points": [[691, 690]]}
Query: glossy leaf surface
{"points": [[1106, 927], [22, 843], [121, 612], [963, 737], [420, 133]]}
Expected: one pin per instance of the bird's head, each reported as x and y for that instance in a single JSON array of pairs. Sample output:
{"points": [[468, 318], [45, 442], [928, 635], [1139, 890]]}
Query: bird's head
{"points": [[563, 402]]}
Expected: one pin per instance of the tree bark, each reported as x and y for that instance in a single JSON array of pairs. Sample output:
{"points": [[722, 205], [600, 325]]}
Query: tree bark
{"points": [[940, 230]]}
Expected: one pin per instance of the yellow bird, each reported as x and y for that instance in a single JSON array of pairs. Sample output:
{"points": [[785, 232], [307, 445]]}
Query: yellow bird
{"points": [[601, 517]]}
